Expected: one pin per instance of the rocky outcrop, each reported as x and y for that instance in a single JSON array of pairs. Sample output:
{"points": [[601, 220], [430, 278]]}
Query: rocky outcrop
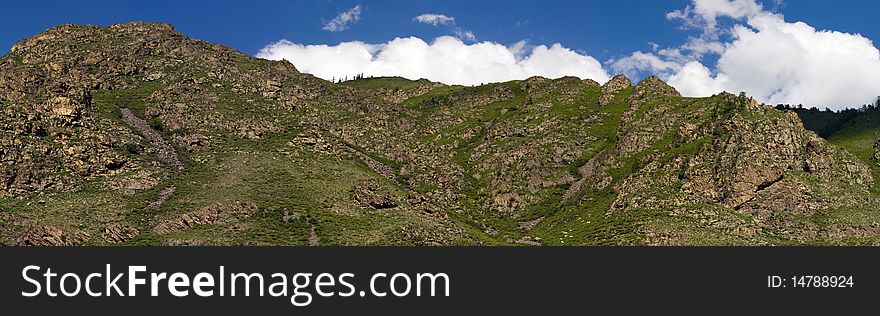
{"points": [[215, 214], [372, 194], [53, 135], [373, 164], [876, 155], [164, 195], [746, 153], [33, 234], [644, 123], [63, 107], [594, 175], [130, 184], [612, 87], [116, 233], [396, 95], [749, 156], [653, 88], [270, 88], [46, 236]]}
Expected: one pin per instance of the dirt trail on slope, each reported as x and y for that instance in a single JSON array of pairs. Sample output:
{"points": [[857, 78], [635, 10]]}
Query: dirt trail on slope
{"points": [[166, 152]]}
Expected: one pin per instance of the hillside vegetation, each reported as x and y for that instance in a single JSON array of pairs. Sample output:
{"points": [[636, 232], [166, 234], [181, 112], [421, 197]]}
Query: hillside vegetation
{"points": [[134, 134]]}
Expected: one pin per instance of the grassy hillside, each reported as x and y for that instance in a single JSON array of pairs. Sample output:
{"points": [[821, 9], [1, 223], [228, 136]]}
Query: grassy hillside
{"points": [[858, 134], [271, 156]]}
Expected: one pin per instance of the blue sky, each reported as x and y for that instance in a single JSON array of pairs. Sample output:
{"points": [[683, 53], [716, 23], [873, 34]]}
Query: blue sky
{"points": [[606, 31]]}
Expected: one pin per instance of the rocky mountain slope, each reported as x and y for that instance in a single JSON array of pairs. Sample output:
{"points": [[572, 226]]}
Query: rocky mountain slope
{"points": [[136, 134]]}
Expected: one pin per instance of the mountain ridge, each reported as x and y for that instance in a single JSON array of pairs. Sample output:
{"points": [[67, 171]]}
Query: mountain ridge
{"points": [[270, 155]]}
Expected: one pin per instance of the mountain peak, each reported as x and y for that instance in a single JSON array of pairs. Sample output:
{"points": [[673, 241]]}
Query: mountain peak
{"points": [[618, 80], [610, 88], [140, 25], [70, 33], [655, 86]]}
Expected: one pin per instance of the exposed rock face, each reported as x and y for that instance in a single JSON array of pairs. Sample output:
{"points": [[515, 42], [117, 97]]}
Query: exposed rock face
{"points": [[55, 137], [270, 88], [134, 183], [646, 122], [652, 88], [165, 151], [164, 195], [41, 141], [591, 82], [751, 152], [533, 85], [876, 155], [396, 95], [742, 168], [45, 235], [752, 156], [215, 214], [612, 87], [63, 106], [116, 233], [594, 174], [371, 194]]}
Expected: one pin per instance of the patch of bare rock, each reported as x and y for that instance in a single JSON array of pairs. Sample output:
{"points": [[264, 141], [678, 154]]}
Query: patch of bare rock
{"points": [[116, 233], [609, 89], [876, 155], [166, 152], [373, 194], [211, 215], [164, 195]]}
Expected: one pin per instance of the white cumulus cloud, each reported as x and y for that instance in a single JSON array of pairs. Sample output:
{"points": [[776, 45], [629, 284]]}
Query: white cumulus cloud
{"points": [[637, 62], [781, 62], [447, 59], [441, 19], [752, 49], [705, 13], [465, 34], [435, 19], [771, 59], [342, 21]]}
